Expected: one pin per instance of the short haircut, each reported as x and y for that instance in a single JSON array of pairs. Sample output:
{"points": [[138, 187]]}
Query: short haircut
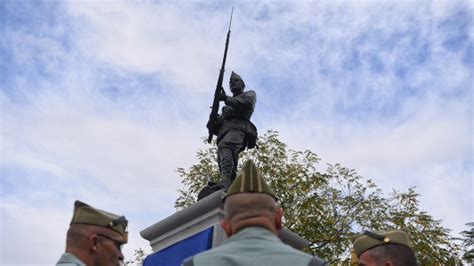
{"points": [[397, 254], [75, 235], [242, 206]]}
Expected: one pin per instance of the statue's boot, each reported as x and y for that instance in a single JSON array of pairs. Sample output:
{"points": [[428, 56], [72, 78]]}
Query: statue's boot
{"points": [[210, 188], [225, 182], [211, 183]]}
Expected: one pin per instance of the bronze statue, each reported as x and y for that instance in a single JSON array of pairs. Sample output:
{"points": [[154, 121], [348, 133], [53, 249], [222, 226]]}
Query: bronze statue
{"points": [[234, 131], [232, 127]]}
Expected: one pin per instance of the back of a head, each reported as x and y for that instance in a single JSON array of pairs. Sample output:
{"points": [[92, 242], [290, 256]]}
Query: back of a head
{"points": [[399, 255], [75, 237], [250, 201], [243, 206]]}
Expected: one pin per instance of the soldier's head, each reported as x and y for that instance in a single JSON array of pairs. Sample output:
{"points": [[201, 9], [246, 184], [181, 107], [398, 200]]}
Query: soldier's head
{"points": [[390, 248], [95, 236], [250, 202], [236, 84]]}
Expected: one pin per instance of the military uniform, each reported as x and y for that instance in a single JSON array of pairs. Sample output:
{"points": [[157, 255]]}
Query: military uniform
{"points": [[68, 259], [234, 132], [253, 244], [231, 138]]}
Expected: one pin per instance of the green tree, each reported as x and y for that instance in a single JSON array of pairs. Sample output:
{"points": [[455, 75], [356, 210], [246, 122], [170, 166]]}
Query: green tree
{"points": [[326, 205], [431, 241], [468, 243], [139, 257]]}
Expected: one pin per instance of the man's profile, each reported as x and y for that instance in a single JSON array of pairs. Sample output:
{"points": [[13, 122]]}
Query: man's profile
{"points": [[94, 237]]}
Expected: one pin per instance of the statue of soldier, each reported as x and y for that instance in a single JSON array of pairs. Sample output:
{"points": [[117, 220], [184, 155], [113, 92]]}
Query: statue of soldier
{"points": [[235, 131]]}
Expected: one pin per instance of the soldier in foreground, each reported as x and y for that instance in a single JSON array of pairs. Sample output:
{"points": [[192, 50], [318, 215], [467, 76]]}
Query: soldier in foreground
{"points": [[252, 222], [391, 248], [95, 237]]}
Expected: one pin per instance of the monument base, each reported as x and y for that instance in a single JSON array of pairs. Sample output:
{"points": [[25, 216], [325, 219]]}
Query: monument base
{"points": [[195, 229]]}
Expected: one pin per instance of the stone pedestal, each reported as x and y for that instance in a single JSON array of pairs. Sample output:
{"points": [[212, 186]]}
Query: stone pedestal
{"points": [[182, 226]]}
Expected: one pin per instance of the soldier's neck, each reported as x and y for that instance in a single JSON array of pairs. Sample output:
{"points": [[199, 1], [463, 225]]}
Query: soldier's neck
{"points": [[255, 221]]}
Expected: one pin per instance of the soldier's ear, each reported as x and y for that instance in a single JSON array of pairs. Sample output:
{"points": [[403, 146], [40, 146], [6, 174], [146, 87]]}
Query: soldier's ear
{"points": [[278, 217], [92, 242], [226, 226]]}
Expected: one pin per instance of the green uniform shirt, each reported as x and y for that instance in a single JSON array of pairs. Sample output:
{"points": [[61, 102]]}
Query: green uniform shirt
{"points": [[253, 246], [67, 259]]}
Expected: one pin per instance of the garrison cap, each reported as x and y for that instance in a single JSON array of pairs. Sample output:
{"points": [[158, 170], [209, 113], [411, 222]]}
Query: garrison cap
{"points": [[235, 75], [368, 240], [249, 180], [85, 214]]}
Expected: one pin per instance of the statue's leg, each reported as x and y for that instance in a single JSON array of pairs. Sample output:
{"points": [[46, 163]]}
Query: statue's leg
{"points": [[219, 158], [226, 165], [235, 159], [227, 155]]}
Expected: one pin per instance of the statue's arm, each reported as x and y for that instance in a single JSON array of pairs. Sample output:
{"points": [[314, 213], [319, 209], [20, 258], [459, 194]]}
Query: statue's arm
{"points": [[244, 101]]}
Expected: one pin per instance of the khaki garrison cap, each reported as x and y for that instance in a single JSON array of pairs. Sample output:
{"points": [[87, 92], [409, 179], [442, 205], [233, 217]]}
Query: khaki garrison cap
{"points": [[249, 180], [235, 75], [368, 240], [85, 214]]}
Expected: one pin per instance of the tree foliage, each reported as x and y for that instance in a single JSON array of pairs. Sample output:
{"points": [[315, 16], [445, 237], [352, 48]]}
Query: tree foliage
{"points": [[139, 257], [327, 207], [431, 241], [468, 243]]}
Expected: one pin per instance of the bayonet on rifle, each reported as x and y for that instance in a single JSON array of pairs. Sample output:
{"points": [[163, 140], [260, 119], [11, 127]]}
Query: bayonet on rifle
{"points": [[213, 125]]}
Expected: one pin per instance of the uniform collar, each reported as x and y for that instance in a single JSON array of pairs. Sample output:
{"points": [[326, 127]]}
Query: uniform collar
{"points": [[70, 258], [252, 232]]}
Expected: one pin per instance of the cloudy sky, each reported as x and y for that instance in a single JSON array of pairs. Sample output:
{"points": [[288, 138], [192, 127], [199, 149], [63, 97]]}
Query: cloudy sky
{"points": [[102, 100]]}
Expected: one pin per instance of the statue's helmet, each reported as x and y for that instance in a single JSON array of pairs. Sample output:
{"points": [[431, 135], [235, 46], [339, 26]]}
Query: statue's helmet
{"points": [[234, 78]]}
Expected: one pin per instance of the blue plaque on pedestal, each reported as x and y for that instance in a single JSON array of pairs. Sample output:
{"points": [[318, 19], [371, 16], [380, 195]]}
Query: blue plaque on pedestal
{"points": [[176, 253]]}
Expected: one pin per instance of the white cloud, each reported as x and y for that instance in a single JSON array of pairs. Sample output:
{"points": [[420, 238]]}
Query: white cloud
{"points": [[93, 157], [39, 226], [178, 42], [430, 149], [73, 144], [104, 101], [449, 193]]}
